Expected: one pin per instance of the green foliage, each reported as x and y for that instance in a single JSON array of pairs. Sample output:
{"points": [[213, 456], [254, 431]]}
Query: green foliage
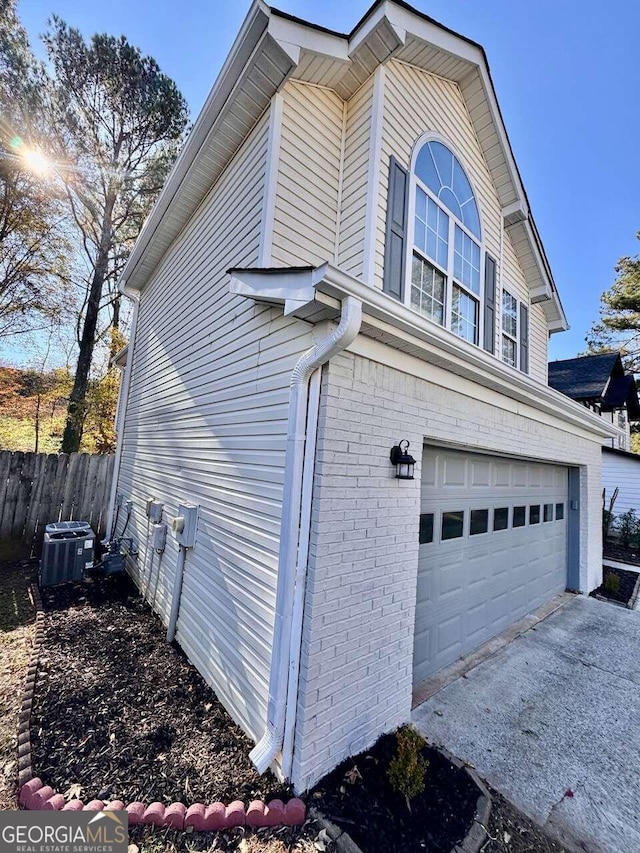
{"points": [[619, 326], [627, 525], [408, 767], [612, 582]]}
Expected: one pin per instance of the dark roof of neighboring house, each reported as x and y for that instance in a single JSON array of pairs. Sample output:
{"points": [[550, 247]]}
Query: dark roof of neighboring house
{"points": [[596, 378], [634, 457]]}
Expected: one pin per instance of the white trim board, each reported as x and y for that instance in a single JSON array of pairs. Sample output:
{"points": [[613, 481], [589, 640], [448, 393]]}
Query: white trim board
{"points": [[373, 176], [271, 180]]}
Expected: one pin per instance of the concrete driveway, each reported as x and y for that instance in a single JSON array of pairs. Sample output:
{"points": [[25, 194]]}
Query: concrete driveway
{"points": [[552, 721]]}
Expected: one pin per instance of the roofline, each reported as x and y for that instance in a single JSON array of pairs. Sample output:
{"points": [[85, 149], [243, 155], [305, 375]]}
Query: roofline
{"points": [[247, 38], [370, 11], [627, 453], [251, 31]]}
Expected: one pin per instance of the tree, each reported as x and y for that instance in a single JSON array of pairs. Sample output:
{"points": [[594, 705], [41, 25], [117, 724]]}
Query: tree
{"points": [[33, 249], [619, 325], [118, 122]]}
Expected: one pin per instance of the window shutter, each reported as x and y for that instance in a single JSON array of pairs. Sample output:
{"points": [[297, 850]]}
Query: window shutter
{"points": [[524, 338], [396, 231], [489, 304]]}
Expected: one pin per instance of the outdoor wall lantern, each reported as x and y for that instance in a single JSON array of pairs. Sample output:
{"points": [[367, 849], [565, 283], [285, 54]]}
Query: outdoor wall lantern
{"points": [[403, 460]]}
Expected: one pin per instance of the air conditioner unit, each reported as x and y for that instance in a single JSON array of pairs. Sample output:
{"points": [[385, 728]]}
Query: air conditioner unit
{"points": [[67, 551]]}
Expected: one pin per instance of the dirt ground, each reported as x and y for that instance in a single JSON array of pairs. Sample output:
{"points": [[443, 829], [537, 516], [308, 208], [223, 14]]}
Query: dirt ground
{"points": [[306, 839], [16, 635], [509, 831]]}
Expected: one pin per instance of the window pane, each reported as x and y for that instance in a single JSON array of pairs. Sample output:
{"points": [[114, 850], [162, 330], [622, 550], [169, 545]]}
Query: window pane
{"points": [[519, 516], [452, 524], [449, 200], [427, 290], [479, 521], [534, 514], [559, 512], [431, 230], [443, 159], [509, 351], [426, 169], [426, 528], [461, 186], [501, 518], [548, 512], [509, 314], [421, 206], [464, 315], [471, 217], [466, 258]]}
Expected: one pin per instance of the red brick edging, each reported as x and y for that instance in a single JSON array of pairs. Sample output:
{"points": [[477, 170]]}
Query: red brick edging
{"points": [[36, 796]]}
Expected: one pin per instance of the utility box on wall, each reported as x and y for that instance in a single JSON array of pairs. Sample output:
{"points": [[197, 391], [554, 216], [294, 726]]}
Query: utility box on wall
{"points": [[67, 551]]}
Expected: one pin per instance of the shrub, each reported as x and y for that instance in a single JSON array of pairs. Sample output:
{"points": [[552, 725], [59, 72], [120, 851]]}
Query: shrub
{"points": [[612, 582], [408, 767], [628, 527]]}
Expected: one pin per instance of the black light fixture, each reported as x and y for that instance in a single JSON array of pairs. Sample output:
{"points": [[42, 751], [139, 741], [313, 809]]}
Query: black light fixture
{"points": [[403, 460]]}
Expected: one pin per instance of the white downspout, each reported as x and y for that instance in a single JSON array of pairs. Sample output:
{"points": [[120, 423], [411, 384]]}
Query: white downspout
{"points": [[122, 408], [266, 750], [301, 573]]}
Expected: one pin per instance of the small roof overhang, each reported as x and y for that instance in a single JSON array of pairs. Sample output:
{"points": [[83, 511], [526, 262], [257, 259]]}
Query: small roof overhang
{"points": [[272, 47], [315, 294], [120, 358]]}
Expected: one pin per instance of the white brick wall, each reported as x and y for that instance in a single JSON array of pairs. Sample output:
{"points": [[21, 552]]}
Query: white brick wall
{"points": [[357, 647]]}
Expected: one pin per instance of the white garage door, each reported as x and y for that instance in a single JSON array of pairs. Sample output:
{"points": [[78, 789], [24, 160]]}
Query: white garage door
{"points": [[493, 547]]}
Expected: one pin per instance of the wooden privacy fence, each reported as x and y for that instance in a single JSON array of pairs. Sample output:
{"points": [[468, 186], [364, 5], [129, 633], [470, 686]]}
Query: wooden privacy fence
{"points": [[38, 488]]}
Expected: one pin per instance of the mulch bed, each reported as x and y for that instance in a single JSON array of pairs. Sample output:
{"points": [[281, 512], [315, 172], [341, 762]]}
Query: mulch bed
{"points": [[627, 581], [363, 804], [510, 831], [125, 716], [17, 617], [615, 551]]}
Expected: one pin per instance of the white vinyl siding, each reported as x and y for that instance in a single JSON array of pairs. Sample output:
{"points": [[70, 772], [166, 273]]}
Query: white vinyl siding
{"points": [[306, 209], [354, 180], [623, 473], [206, 423]]}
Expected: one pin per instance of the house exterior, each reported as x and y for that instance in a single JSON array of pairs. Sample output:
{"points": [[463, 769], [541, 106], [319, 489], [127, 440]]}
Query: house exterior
{"points": [[600, 383], [342, 261]]}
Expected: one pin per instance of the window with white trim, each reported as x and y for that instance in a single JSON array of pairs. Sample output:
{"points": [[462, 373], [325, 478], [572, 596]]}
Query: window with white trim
{"points": [[509, 329], [446, 282]]}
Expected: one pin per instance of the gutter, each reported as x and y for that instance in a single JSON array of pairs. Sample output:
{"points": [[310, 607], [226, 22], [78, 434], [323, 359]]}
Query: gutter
{"points": [[290, 586]]}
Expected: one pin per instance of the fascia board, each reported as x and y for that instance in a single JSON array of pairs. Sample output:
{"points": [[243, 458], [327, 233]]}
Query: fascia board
{"points": [[286, 31], [329, 285], [251, 31]]}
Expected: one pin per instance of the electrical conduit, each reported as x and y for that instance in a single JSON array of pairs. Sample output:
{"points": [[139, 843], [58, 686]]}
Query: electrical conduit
{"points": [[289, 592]]}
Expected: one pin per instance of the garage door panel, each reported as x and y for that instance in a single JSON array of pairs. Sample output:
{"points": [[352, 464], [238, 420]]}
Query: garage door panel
{"points": [[472, 587]]}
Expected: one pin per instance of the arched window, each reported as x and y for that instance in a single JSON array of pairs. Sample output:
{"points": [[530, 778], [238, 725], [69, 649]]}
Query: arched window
{"points": [[446, 282]]}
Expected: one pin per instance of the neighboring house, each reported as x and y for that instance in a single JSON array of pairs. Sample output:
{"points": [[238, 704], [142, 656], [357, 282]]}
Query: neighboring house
{"points": [[344, 258], [600, 383], [621, 470]]}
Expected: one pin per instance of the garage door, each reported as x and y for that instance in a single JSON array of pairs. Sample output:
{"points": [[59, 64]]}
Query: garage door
{"points": [[493, 547]]}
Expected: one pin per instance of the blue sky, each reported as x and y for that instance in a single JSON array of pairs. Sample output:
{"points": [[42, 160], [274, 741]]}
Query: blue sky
{"points": [[566, 74]]}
